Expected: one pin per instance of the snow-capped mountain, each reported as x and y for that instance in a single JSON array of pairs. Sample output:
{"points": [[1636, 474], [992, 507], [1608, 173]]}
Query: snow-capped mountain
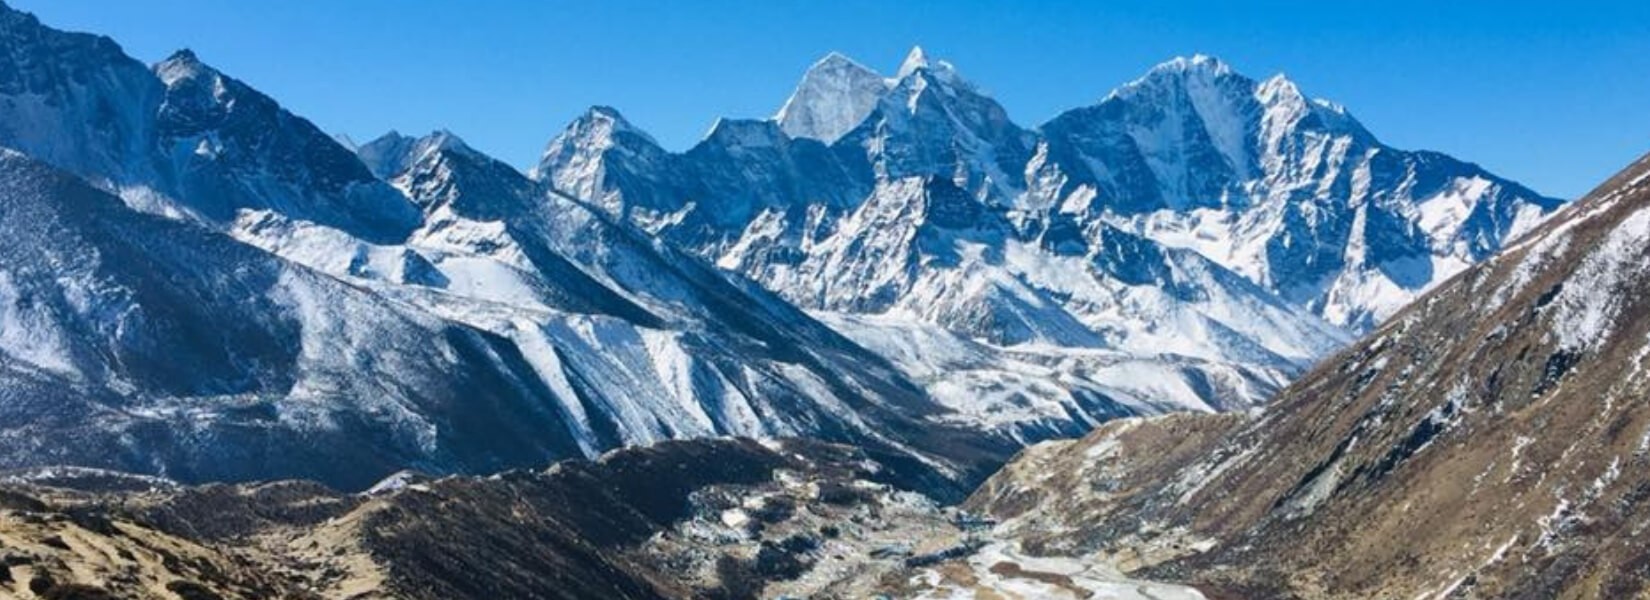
{"points": [[833, 98], [263, 302], [932, 214], [181, 138], [1224, 231], [231, 149], [1291, 192], [77, 101]]}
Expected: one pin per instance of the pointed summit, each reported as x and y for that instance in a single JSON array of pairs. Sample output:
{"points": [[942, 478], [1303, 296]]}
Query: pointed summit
{"points": [[938, 70], [443, 140], [834, 96], [218, 127], [183, 55], [585, 142], [914, 60], [393, 152], [834, 59], [607, 121], [1195, 63], [385, 155], [181, 65]]}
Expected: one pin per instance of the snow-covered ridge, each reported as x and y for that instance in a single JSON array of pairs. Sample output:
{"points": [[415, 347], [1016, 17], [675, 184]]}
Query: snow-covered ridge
{"points": [[1191, 214]]}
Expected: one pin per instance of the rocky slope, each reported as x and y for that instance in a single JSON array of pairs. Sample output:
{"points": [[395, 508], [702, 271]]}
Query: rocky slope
{"points": [[693, 519], [1488, 441]]}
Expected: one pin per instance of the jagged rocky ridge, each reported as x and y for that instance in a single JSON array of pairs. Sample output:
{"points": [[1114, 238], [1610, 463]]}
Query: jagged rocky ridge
{"points": [[1191, 241], [260, 303], [1488, 441]]}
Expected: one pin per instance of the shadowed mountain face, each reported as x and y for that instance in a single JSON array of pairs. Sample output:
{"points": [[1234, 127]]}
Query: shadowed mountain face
{"points": [[1488, 441]]}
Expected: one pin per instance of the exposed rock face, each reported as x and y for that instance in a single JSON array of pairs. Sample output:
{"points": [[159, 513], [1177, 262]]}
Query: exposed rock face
{"points": [[1489, 441]]}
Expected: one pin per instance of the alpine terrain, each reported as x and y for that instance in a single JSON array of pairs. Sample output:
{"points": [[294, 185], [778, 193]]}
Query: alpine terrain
{"points": [[830, 353], [1487, 442]]}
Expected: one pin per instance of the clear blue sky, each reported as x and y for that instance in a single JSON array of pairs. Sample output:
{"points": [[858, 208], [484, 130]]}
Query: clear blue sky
{"points": [[1554, 94]]}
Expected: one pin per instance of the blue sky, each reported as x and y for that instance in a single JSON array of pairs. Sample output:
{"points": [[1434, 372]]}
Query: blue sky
{"points": [[1554, 94]]}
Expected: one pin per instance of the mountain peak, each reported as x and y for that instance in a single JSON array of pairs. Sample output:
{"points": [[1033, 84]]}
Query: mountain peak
{"points": [[600, 123], [183, 64], [608, 118], [919, 65], [183, 55], [834, 96], [1184, 73], [588, 137], [1195, 63], [390, 136], [838, 60], [914, 60], [392, 154], [442, 139], [385, 155], [603, 111]]}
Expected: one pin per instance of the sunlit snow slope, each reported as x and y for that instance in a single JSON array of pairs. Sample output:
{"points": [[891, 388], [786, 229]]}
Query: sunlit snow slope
{"points": [[260, 302]]}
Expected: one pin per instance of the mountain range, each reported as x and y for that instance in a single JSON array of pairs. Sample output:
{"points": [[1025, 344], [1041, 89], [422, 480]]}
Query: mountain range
{"points": [[1191, 241], [1488, 441], [206, 286]]}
